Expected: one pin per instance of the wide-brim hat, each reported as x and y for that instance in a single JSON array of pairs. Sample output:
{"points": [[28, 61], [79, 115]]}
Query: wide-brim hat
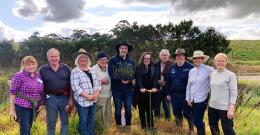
{"points": [[130, 47], [179, 51], [198, 54], [81, 51]]}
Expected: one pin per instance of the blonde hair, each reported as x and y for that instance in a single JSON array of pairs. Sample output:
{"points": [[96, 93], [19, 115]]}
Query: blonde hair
{"points": [[164, 51], [76, 62], [223, 55], [26, 60], [51, 50]]}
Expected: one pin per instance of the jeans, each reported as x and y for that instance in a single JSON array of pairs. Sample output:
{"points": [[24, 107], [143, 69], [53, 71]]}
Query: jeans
{"points": [[55, 105], [180, 107], [86, 119], [227, 124], [198, 110], [25, 117], [123, 96]]}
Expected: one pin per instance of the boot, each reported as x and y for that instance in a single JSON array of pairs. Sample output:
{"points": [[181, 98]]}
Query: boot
{"points": [[179, 121], [191, 126]]}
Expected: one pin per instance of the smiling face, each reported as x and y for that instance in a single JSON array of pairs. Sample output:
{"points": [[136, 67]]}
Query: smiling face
{"points": [[180, 59], [123, 50], [147, 59], [164, 57], [198, 61], [220, 62], [83, 60], [30, 67], [102, 62], [53, 57]]}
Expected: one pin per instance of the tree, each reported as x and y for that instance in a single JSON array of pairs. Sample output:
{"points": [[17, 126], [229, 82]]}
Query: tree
{"points": [[7, 54]]}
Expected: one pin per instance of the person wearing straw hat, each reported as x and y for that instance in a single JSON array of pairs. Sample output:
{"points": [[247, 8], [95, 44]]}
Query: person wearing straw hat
{"points": [[121, 69], [58, 100], [146, 86], [86, 87], [198, 88], [104, 99], [176, 88]]}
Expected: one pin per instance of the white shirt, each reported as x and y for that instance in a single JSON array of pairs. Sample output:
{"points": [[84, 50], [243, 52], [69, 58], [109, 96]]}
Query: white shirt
{"points": [[198, 83], [101, 74]]}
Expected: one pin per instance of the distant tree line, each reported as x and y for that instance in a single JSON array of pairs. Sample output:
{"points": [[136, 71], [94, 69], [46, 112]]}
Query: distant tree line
{"points": [[142, 37]]}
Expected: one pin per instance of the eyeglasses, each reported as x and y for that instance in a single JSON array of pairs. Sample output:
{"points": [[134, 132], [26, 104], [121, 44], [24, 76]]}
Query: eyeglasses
{"points": [[147, 58]]}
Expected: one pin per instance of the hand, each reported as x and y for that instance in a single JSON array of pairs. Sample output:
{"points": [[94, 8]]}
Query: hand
{"points": [[154, 90], [189, 103], [13, 114], [125, 81], [97, 93], [168, 97], [40, 108], [230, 113], [68, 108], [90, 97], [161, 82], [143, 90], [104, 81]]}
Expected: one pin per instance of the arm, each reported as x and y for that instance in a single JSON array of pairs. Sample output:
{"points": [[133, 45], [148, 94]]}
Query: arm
{"points": [[15, 86], [233, 95]]}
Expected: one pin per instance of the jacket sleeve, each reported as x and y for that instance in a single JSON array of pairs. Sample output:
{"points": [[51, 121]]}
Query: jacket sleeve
{"points": [[138, 77], [168, 83]]}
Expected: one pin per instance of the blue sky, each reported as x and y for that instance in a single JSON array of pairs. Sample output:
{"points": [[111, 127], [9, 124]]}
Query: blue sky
{"points": [[236, 19]]}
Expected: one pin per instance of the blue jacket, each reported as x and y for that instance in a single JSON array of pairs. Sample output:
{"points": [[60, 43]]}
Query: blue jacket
{"points": [[121, 69], [178, 78]]}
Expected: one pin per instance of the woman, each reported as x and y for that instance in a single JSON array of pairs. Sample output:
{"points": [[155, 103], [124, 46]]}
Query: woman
{"points": [[223, 94], [146, 84], [198, 88], [26, 94], [86, 87]]}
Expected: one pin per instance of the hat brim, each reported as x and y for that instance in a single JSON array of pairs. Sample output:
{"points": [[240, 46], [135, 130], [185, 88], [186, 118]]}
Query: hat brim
{"points": [[130, 48], [206, 57], [76, 54]]}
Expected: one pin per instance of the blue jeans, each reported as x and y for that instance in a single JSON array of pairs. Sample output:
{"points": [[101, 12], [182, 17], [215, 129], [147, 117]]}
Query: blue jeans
{"points": [[55, 105], [214, 116], [180, 107], [86, 119], [119, 97], [25, 117], [198, 111]]}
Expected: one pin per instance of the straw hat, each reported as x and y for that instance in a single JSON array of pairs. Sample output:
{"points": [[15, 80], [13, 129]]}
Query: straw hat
{"points": [[198, 54]]}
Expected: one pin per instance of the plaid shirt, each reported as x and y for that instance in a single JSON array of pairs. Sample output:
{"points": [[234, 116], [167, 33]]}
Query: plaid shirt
{"points": [[80, 82], [31, 87]]}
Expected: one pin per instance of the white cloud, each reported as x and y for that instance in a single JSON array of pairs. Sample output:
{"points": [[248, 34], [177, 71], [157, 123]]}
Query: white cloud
{"points": [[9, 33]]}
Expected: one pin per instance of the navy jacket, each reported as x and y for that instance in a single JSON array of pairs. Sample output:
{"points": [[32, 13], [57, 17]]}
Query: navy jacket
{"points": [[121, 69], [178, 78]]}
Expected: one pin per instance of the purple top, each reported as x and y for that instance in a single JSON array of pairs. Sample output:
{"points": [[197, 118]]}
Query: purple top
{"points": [[32, 87]]}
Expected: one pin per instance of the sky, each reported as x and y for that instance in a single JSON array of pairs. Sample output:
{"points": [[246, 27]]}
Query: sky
{"points": [[236, 19]]}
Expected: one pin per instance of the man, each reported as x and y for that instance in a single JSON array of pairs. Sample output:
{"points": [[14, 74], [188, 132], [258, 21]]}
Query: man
{"points": [[162, 68], [56, 80], [176, 88], [104, 99], [121, 70]]}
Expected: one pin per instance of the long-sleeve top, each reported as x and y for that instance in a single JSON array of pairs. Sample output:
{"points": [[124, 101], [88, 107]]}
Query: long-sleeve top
{"points": [[178, 78], [31, 87], [223, 89], [80, 82], [198, 83], [101, 74], [121, 69]]}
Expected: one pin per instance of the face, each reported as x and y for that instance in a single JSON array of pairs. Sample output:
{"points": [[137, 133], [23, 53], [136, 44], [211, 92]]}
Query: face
{"points": [[102, 62], [83, 61], [180, 59], [53, 58], [164, 57], [198, 61], [30, 67], [147, 59], [123, 50], [220, 62]]}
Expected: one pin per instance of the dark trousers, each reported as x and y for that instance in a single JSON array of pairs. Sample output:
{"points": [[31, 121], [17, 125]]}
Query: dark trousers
{"points": [[145, 110], [123, 96], [159, 99], [214, 116], [180, 107], [198, 111], [25, 117]]}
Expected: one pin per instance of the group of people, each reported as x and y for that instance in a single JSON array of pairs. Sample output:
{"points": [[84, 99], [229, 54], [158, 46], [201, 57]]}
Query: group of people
{"points": [[189, 88]]}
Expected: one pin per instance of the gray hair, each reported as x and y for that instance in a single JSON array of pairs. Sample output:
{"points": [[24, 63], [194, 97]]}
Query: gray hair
{"points": [[51, 50], [76, 62], [164, 51]]}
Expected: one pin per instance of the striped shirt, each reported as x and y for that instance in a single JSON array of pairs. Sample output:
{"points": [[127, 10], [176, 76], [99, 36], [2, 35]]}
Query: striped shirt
{"points": [[31, 87], [80, 82]]}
